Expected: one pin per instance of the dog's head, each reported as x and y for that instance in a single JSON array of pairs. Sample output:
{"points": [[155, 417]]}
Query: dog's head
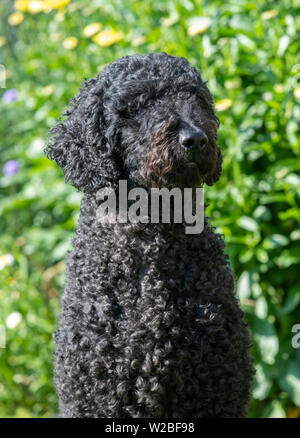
{"points": [[146, 118]]}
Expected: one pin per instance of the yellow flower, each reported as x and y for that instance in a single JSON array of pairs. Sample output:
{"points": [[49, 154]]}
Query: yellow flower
{"points": [[2, 41], [198, 25], [15, 18], [297, 93], [107, 38], [222, 105], [34, 7], [91, 29], [269, 14], [22, 5], [56, 4], [70, 43]]}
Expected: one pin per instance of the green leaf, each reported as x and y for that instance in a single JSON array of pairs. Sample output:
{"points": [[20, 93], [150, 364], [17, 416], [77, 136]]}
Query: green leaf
{"points": [[293, 299], [262, 383], [275, 241], [261, 307], [244, 286], [275, 410], [266, 339], [248, 223], [290, 382]]}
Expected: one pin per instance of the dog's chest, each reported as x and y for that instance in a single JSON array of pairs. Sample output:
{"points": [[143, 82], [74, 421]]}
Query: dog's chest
{"points": [[158, 267]]}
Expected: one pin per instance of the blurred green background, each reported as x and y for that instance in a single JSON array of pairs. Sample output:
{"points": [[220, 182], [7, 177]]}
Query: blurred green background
{"points": [[250, 54]]}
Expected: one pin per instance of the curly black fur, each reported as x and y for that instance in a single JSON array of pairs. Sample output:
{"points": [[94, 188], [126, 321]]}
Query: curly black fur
{"points": [[150, 325]]}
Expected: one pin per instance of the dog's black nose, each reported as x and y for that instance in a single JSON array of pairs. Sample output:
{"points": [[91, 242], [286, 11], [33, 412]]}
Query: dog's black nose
{"points": [[193, 139]]}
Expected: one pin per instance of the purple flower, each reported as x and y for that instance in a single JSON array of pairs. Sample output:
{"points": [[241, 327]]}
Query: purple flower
{"points": [[10, 95], [10, 167]]}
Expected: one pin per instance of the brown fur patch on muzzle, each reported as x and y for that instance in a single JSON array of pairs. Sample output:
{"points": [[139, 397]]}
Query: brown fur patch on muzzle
{"points": [[160, 161]]}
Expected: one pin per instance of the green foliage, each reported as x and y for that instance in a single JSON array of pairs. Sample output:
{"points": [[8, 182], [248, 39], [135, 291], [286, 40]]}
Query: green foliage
{"points": [[249, 54]]}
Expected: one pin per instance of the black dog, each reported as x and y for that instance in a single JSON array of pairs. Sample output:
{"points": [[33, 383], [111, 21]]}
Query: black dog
{"points": [[150, 325]]}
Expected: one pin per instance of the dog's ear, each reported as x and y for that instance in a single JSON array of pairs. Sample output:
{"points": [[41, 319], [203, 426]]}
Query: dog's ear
{"points": [[211, 179], [79, 143]]}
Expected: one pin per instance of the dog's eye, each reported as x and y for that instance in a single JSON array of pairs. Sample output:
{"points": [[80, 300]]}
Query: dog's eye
{"points": [[124, 114], [174, 124]]}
